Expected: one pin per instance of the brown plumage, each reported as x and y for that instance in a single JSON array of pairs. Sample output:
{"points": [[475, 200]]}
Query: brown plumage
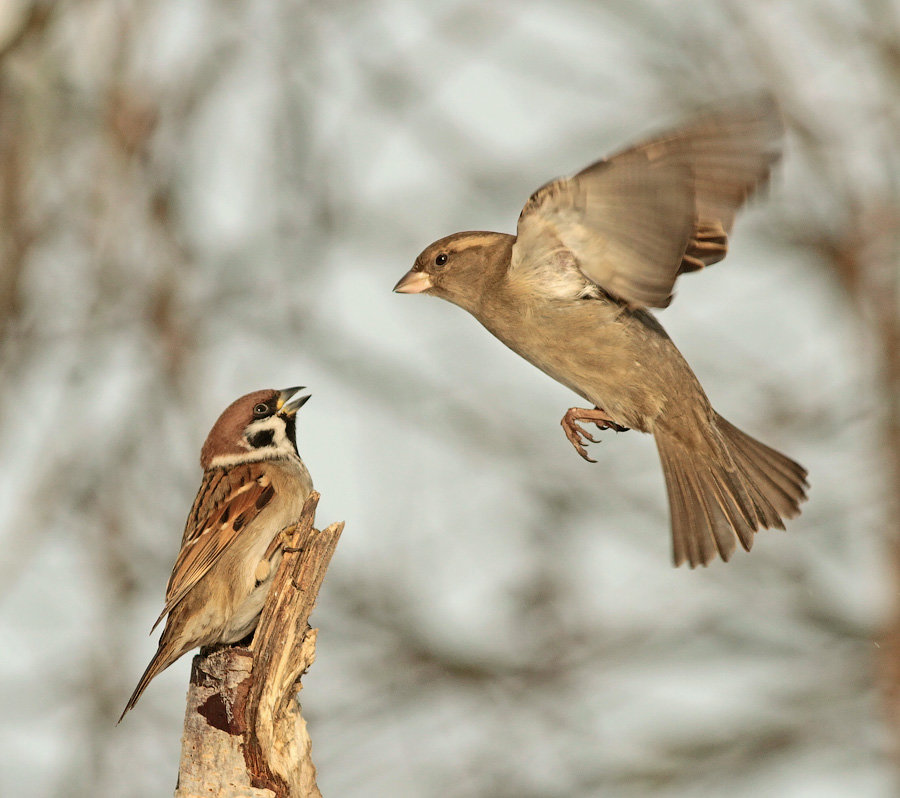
{"points": [[570, 293], [254, 485]]}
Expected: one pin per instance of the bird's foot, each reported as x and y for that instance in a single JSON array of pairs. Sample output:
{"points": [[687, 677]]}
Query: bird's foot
{"points": [[578, 435]]}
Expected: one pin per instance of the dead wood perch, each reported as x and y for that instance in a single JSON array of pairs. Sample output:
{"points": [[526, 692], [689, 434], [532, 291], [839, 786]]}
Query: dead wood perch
{"points": [[244, 734]]}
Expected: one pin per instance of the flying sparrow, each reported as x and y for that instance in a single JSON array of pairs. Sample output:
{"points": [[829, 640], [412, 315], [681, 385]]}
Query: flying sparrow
{"points": [[254, 485], [570, 293]]}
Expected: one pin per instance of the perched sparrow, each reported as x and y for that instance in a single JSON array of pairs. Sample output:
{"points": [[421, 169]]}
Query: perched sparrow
{"points": [[254, 485], [570, 293]]}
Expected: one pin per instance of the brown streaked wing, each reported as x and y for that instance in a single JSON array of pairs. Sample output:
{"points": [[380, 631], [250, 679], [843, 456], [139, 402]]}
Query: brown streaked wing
{"points": [[636, 221], [627, 227], [227, 501]]}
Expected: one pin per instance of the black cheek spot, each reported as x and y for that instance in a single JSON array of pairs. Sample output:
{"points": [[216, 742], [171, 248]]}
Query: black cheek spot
{"points": [[261, 439]]}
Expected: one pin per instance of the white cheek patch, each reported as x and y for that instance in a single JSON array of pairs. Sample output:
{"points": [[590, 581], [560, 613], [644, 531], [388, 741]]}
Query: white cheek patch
{"points": [[279, 442], [279, 445]]}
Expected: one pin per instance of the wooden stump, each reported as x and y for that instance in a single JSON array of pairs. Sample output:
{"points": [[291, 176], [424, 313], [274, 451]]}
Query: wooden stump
{"points": [[244, 734]]}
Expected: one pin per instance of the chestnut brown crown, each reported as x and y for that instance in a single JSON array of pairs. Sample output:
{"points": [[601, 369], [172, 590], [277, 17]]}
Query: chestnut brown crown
{"points": [[259, 426]]}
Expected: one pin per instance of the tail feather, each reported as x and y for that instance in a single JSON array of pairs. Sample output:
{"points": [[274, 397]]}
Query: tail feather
{"points": [[701, 546], [739, 513], [161, 660], [683, 547], [784, 478], [737, 486]]}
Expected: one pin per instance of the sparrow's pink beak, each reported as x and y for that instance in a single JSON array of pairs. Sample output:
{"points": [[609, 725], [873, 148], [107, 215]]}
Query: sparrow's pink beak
{"points": [[413, 282]]}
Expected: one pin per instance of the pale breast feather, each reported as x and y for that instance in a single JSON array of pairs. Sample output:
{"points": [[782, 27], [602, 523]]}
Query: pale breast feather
{"points": [[542, 264]]}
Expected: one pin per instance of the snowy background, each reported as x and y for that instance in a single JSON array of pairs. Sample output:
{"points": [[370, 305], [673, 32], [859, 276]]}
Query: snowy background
{"points": [[202, 199]]}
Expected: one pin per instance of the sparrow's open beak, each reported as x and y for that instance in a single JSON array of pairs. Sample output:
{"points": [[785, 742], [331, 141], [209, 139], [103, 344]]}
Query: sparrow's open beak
{"points": [[413, 282], [290, 400]]}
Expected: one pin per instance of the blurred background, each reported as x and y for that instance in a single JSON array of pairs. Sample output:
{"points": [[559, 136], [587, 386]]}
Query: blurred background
{"points": [[202, 199]]}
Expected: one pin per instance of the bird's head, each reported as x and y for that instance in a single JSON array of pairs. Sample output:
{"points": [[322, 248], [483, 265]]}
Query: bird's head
{"points": [[455, 268], [258, 426]]}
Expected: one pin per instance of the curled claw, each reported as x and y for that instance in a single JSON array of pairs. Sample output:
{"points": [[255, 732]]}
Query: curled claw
{"points": [[574, 433], [577, 435], [579, 430], [602, 425]]}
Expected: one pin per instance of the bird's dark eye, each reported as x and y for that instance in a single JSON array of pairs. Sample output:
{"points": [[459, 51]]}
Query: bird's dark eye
{"points": [[441, 259], [261, 410]]}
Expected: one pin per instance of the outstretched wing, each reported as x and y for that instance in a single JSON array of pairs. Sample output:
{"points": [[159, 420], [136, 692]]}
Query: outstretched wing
{"points": [[634, 222], [228, 500]]}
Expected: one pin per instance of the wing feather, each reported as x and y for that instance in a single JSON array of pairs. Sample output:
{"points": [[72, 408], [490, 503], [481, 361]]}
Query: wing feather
{"points": [[634, 222], [227, 501]]}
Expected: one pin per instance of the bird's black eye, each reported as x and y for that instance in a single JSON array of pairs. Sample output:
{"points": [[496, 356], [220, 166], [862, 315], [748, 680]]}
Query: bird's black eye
{"points": [[441, 259], [261, 410]]}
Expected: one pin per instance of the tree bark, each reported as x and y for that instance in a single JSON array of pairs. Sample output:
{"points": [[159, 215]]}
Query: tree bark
{"points": [[244, 734]]}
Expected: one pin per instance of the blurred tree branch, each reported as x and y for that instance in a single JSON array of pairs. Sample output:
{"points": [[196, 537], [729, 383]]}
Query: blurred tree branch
{"points": [[129, 305]]}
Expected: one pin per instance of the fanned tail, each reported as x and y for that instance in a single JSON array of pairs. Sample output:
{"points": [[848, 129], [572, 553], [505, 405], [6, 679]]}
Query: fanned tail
{"points": [[716, 499]]}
